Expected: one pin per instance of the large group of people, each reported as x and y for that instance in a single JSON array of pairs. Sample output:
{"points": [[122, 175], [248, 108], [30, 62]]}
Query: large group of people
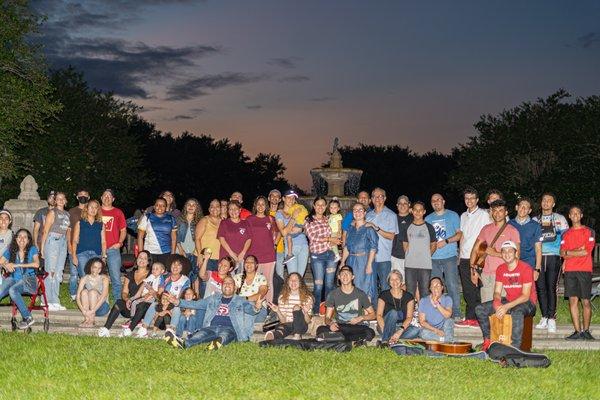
{"points": [[210, 278]]}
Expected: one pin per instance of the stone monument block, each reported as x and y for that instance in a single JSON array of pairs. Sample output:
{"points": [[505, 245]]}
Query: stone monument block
{"points": [[24, 207]]}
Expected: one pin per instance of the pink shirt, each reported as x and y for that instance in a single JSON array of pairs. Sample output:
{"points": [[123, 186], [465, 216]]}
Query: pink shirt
{"points": [[487, 234]]}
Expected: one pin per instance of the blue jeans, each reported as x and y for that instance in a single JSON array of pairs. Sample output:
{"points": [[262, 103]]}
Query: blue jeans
{"points": [[210, 333], [279, 264], [362, 280], [73, 277], [413, 332], [175, 315], [189, 324], [391, 323], [323, 269], [114, 271], [15, 289], [55, 251], [103, 310], [381, 270], [447, 269], [299, 263]]}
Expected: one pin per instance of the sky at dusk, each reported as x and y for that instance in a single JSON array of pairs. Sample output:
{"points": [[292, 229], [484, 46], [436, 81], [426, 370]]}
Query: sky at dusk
{"points": [[287, 77]]}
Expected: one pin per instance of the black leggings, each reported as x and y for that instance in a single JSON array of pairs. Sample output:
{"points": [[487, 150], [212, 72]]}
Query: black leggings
{"points": [[120, 308], [471, 292], [547, 285], [298, 327], [351, 332]]}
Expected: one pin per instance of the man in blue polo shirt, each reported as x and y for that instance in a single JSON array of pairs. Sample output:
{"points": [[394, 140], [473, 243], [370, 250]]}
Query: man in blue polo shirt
{"points": [[446, 224], [385, 223], [530, 233]]}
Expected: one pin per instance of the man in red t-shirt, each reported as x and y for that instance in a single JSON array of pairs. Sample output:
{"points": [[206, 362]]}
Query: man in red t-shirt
{"points": [[576, 248], [515, 277], [115, 229]]}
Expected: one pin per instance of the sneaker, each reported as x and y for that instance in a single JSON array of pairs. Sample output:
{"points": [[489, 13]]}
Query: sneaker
{"points": [[543, 324], [473, 323], [551, 325], [173, 340], [289, 258], [103, 332], [214, 345], [575, 336], [142, 332], [26, 323], [586, 335], [73, 297], [60, 307], [126, 333], [53, 307], [465, 323]]}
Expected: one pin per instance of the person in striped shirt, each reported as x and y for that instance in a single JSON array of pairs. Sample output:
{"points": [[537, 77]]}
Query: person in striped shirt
{"points": [[294, 309]]}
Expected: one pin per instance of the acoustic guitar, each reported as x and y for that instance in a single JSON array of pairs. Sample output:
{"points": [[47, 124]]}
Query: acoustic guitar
{"points": [[444, 347]]}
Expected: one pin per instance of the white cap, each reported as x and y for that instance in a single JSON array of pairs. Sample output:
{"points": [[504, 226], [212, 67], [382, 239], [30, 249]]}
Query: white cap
{"points": [[509, 244]]}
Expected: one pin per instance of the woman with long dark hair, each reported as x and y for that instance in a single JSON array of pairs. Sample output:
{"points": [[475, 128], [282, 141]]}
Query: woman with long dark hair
{"points": [[133, 280], [186, 236], [20, 260], [264, 233], [322, 258], [294, 309], [92, 291]]}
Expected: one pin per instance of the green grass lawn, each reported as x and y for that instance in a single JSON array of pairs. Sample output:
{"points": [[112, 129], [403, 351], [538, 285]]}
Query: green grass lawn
{"points": [[62, 366]]}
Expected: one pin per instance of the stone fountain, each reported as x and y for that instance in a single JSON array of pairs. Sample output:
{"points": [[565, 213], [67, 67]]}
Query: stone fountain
{"points": [[335, 181]]}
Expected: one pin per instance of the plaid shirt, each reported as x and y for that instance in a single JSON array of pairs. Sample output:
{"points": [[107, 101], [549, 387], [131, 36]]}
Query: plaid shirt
{"points": [[315, 230]]}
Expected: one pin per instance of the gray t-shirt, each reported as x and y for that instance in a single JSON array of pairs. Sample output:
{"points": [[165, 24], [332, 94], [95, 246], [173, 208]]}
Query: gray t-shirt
{"points": [[5, 239], [419, 238], [62, 222], [348, 305]]}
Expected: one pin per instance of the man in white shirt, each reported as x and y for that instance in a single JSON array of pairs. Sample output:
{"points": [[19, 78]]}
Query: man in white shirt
{"points": [[471, 222]]}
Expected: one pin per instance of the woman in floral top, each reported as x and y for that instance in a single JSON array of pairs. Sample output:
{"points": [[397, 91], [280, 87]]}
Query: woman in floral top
{"points": [[251, 284]]}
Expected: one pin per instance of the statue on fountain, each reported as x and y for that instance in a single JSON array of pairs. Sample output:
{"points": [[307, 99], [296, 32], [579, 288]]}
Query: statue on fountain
{"points": [[336, 158]]}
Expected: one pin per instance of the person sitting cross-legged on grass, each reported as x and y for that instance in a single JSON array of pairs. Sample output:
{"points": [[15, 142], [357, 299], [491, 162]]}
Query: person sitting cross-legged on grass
{"points": [[20, 260], [294, 309], [515, 277], [92, 291], [227, 318], [435, 316], [395, 308], [352, 309]]}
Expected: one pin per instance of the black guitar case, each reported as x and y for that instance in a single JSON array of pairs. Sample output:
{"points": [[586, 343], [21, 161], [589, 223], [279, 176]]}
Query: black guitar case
{"points": [[509, 356]]}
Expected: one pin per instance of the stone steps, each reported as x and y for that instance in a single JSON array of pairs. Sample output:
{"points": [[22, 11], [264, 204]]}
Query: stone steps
{"points": [[67, 322]]}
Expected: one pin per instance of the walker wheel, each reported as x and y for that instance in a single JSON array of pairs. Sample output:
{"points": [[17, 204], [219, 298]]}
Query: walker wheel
{"points": [[46, 325], [13, 324]]}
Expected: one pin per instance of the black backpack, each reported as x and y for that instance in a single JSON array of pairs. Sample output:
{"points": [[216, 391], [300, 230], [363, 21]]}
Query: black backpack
{"points": [[509, 356]]}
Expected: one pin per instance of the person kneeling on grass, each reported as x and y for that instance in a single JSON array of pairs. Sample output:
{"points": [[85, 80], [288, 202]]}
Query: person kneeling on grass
{"points": [[20, 260], [435, 316], [227, 318], [352, 309], [294, 309], [515, 277], [92, 291]]}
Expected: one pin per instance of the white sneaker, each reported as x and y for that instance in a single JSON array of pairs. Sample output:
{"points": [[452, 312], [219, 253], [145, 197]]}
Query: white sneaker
{"points": [[543, 324], [551, 325], [60, 307], [103, 332], [53, 307], [142, 332], [126, 332], [73, 297]]}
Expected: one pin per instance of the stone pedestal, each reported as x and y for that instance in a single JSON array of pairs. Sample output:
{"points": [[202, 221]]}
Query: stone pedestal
{"points": [[24, 207]]}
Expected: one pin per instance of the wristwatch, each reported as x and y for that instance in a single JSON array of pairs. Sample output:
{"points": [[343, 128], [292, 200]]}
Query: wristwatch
{"points": [[378, 229]]}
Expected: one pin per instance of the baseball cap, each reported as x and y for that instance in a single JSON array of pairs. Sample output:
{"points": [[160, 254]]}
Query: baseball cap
{"points": [[290, 192], [509, 244], [7, 213], [346, 268], [112, 193], [403, 197]]}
